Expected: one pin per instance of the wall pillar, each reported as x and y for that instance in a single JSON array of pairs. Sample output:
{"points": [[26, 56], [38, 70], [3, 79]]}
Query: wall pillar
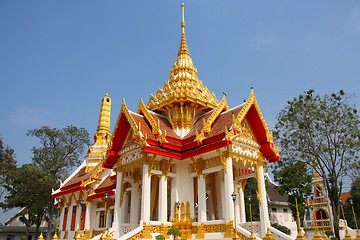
{"points": [[229, 189], [145, 201], [237, 205], [87, 215], [134, 211], [264, 212], [242, 202], [163, 199], [201, 199], [117, 210]]}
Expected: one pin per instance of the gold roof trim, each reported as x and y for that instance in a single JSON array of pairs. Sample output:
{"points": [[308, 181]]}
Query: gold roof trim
{"points": [[134, 126], [237, 121], [94, 176], [223, 104], [155, 127], [207, 124], [183, 84]]}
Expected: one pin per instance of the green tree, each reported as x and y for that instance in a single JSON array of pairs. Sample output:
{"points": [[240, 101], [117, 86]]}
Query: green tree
{"points": [[7, 165], [322, 132], [27, 187], [59, 152], [160, 237], [353, 202], [250, 193], [174, 232], [294, 178]]}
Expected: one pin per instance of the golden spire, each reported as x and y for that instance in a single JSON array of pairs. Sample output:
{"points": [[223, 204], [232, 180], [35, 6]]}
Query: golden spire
{"points": [[183, 84], [103, 127], [183, 19]]}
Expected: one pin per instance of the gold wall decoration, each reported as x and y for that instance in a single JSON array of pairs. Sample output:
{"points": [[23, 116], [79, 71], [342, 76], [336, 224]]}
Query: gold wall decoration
{"points": [[222, 159]]}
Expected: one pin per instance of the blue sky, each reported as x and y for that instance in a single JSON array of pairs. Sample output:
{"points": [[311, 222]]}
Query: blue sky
{"points": [[59, 58]]}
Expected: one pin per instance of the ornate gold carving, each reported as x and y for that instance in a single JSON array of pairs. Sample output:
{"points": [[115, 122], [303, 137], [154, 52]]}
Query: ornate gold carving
{"points": [[243, 184], [200, 231], [199, 136], [187, 210], [223, 104], [165, 167], [66, 234], [134, 127], [198, 166], [222, 159], [181, 115], [154, 126], [146, 231], [163, 230], [94, 176], [229, 230], [151, 162]]}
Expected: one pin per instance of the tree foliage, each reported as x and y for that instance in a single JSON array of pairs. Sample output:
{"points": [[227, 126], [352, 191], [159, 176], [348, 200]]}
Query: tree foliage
{"points": [[59, 152], [281, 228], [250, 193], [294, 178], [322, 132], [59, 149], [348, 207], [174, 232], [7, 164], [160, 237], [27, 187]]}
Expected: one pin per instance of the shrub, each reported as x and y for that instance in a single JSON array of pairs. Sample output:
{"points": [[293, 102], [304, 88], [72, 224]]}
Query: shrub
{"points": [[281, 228]]}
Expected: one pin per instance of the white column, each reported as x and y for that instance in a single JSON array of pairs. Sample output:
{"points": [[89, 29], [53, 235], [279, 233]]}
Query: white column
{"points": [[237, 205], [117, 210], [201, 199], [134, 211], [163, 199], [242, 203], [229, 189], [264, 213], [87, 216], [145, 201]]}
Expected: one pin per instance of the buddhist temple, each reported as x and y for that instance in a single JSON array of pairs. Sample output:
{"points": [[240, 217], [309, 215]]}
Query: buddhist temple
{"points": [[179, 161]]}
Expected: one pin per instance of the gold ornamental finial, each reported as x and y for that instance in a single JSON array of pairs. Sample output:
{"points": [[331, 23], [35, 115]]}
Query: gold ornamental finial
{"points": [[183, 18]]}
